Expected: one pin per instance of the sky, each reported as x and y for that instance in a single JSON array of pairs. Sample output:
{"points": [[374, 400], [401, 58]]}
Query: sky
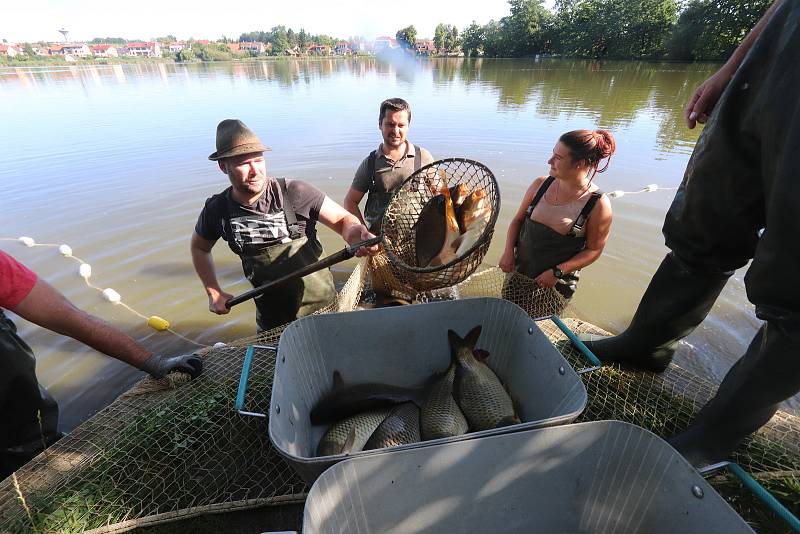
{"points": [[205, 19]]}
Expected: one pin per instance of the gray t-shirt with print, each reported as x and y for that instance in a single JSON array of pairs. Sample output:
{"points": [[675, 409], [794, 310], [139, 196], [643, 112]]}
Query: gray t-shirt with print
{"points": [[248, 229]]}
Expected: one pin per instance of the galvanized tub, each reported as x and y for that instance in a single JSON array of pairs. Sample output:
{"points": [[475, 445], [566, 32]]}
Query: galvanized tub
{"points": [[404, 346], [598, 477]]}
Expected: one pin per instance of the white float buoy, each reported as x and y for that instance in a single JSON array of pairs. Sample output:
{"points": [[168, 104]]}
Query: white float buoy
{"points": [[65, 250], [219, 344], [112, 296], [85, 270], [27, 241], [616, 194]]}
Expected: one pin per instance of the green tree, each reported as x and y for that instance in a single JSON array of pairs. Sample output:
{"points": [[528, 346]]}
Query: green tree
{"points": [[185, 54], [279, 40], [291, 37], [712, 29], [440, 37], [527, 26], [407, 37], [302, 39], [472, 40]]}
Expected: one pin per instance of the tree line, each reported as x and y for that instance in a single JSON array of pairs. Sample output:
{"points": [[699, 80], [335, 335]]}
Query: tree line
{"points": [[650, 29]]}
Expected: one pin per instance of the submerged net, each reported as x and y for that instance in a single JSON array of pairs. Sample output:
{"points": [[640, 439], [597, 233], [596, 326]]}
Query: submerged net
{"points": [[166, 451]]}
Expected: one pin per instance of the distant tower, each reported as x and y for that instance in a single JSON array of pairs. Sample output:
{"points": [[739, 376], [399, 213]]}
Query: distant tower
{"points": [[64, 32]]}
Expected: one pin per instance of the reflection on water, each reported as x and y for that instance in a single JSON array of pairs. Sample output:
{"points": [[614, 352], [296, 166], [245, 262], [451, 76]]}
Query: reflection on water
{"points": [[112, 160]]}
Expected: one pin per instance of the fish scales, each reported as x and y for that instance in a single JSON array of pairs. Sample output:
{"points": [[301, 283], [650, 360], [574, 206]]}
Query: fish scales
{"points": [[362, 425], [400, 427], [476, 388], [440, 416]]}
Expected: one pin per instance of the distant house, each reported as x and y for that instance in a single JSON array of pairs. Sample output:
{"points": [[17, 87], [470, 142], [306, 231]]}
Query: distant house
{"points": [[294, 51], [384, 43], [139, 49], [9, 50], [76, 50], [104, 50], [40, 50], [343, 49], [425, 47], [176, 46], [233, 47], [319, 50], [253, 46], [203, 42]]}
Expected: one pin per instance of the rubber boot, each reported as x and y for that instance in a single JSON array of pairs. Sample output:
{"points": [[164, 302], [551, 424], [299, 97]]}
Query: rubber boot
{"points": [[676, 301], [767, 374]]}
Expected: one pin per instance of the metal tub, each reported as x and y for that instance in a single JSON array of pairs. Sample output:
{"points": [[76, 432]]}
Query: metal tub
{"points": [[598, 477], [404, 346]]}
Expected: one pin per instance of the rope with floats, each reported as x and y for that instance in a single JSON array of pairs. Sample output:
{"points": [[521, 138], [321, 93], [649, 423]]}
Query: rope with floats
{"points": [[646, 189], [85, 271]]}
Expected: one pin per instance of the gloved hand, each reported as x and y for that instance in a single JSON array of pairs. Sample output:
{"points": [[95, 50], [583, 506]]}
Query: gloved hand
{"points": [[158, 366]]}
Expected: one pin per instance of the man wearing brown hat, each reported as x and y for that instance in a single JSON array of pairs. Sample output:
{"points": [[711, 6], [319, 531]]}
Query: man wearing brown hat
{"points": [[271, 225]]}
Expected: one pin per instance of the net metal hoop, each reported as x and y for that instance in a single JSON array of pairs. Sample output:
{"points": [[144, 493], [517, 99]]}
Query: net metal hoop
{"points": [[402, 212]]}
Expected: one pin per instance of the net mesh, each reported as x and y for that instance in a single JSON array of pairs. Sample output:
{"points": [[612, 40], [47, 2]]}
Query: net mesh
{"points": [[168, 449]]}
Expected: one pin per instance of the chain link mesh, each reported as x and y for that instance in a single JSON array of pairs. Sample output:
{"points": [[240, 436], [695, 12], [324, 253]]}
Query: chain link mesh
{"points": [[169, 449]]}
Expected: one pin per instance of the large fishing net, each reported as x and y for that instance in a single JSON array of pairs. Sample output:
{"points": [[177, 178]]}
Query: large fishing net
{"points": [[166, 450]]}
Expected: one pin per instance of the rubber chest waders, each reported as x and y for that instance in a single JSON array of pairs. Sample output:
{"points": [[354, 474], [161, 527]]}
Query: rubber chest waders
{"points": [[540, 248], [378, 200], [296, 298], [22, 402]]}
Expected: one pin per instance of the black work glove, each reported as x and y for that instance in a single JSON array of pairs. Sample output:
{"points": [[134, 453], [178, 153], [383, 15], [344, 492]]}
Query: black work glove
{"points": [[158, 366]]}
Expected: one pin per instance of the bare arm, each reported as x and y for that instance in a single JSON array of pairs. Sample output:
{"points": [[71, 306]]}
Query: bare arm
{"points": [[705, 97], [345, 224], [351, 201], [204, 267], [507, 259], [48, 308]]}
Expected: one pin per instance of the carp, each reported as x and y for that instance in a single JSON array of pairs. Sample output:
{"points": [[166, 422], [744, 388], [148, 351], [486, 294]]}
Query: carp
{"points": [[400, 427], [476, 388], [351, 434], [475, 210], [440, 416], [452, 233], [344, 401]]}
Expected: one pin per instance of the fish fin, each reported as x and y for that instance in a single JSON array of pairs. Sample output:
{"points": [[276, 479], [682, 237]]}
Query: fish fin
{"points": [[508, 421], [471, 339], [347, 448], [455, 342], [338, 382], [480, 354]]}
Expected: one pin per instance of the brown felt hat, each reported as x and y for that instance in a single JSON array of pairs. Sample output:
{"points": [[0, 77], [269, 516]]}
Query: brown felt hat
{"points": [[235, 139]]}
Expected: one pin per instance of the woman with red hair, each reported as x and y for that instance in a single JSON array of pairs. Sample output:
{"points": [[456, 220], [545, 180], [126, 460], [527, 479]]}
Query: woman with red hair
{"points": [[564, 219]]}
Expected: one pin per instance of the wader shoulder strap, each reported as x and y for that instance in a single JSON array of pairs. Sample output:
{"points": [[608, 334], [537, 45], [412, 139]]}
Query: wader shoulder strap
{"points": [[371, 167], [417, 158], [227, 228], [288, 212], [587, 209], [539, 194]]}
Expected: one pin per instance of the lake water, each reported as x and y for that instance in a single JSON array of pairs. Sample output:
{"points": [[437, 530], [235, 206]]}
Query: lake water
{"points": [[111, 160]]}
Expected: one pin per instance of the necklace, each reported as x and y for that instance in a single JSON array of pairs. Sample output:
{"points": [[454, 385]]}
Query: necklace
{"points": [[558, 189]]}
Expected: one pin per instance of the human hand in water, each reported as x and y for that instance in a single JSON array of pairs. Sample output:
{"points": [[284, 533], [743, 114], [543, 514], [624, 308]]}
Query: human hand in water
{"points": [[217, 300], [705, 97], [546, 279], [507, 262]]}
